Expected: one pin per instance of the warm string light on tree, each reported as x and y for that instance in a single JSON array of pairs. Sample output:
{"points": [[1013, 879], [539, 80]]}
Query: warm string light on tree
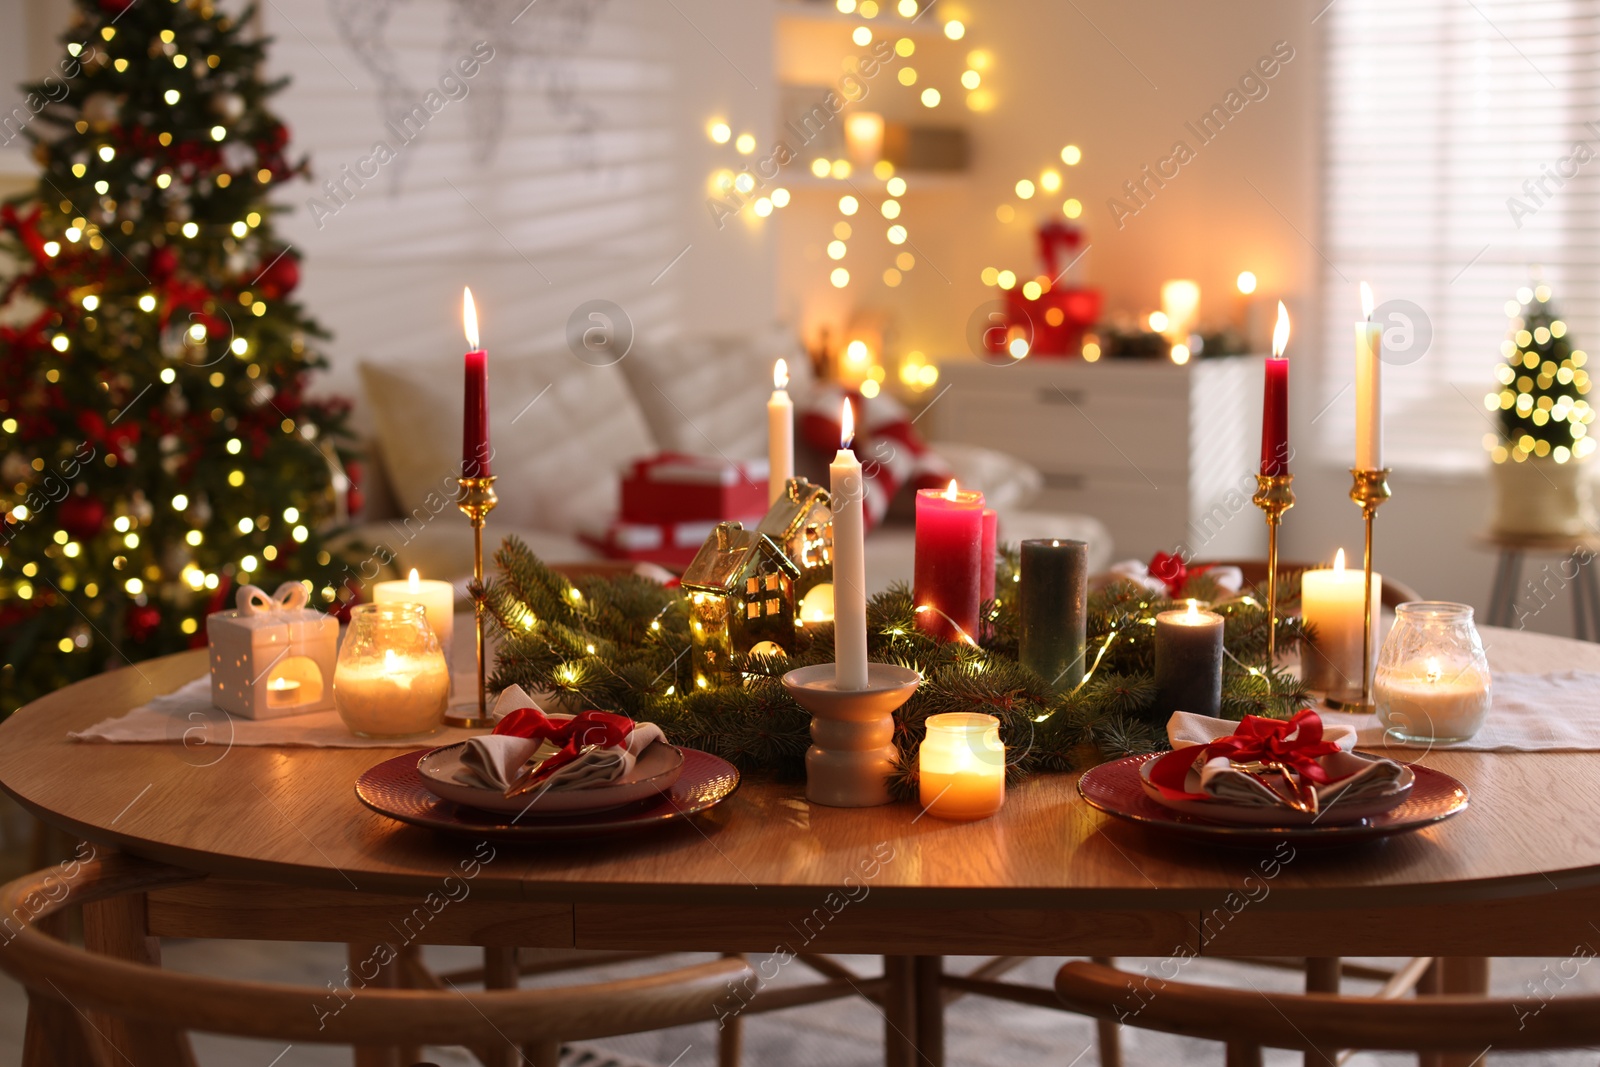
{"points": [[156, 443], [1542, 386]]}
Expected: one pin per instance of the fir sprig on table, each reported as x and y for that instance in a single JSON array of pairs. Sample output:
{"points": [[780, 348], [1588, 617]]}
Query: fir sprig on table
{"points": [[621, 644]]}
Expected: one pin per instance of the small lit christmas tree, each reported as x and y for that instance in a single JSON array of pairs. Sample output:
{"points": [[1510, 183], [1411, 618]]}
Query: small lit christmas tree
{"points": [[1543, 383], [156, 443]]}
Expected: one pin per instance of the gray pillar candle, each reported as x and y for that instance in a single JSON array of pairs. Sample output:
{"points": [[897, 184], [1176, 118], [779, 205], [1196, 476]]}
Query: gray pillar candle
{"points": [[1189, 661], [1053, 606]]}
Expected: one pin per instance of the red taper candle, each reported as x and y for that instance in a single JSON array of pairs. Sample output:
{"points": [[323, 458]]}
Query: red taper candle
{"points": [[475, 419], [1275, 402]]}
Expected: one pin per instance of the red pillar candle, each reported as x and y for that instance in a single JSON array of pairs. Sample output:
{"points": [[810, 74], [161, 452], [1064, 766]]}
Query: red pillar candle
{"points": [[1275, 402], [949, 549], [986, 551], [475, 420]]}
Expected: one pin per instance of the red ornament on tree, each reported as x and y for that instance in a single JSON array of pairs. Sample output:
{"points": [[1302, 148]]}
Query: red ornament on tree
{"points": [[163, 263], [279, 277], [82, 516], [143, 621]]}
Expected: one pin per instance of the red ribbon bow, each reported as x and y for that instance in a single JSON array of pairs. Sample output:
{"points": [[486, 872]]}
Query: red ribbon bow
{"points": [[1296, 743], [1174, 572], [588, 728]]}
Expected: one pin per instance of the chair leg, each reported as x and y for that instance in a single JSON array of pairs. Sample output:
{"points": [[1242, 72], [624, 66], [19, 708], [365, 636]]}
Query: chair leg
{"points": [[543, 1054], [1108, 1032], [730, 1035], [1459, 974], [55, 1037], [500, 971], [363, 958]]}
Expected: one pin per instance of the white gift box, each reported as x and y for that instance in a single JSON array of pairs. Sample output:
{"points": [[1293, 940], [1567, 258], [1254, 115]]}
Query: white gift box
{"points": [[273, 656]]}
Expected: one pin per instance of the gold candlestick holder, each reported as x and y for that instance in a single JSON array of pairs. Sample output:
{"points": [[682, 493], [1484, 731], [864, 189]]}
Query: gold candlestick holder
{"points": [[476, 500], [1274, 496], [1369, 489]]}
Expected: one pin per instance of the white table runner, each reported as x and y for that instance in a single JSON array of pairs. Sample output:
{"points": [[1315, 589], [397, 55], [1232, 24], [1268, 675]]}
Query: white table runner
{"points": [[1530, 713]]}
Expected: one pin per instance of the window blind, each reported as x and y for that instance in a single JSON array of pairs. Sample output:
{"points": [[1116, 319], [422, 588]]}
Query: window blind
{"points": [[1462, 162]]}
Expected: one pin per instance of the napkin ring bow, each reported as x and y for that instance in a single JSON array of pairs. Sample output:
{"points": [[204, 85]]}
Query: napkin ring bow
{"points": [[1295, 743], [290, 596]]}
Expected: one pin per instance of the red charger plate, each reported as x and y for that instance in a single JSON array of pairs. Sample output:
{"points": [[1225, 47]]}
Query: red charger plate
{"points": [[1115, 789], [394, 788]]}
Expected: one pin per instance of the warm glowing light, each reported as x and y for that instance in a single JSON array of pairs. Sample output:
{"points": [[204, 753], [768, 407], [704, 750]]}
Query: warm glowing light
{"points": [[1246, 282], [837, 249], [1050, 180], [1017, 348], [897, 234], [857, 352], [780, 197], [1072, 155], [1032, 290], [930, 97], [896, 186], [861, 36], [840, 168], [954, 30], [780, 374], [840, 277], [819, 168], [1025, 189], [1435, 672], [869, 388], [847, 425], [1157, 322], [745, 144], [469, 318], [1338, 561], [1180, 354], [762, 207], [1280, 332], [971, 79], [1366, 301], [950, 490], [1072, 208], [849, 205]]}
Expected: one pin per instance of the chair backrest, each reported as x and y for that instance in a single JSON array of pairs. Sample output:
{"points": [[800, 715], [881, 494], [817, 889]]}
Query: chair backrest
{"points": [[1320, 1021], [57, 971], [1255, 574]]}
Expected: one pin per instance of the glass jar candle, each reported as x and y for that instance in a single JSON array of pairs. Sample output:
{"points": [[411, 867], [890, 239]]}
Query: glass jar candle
{"points": [[962, 766], [1432, 684], [392, 680]]}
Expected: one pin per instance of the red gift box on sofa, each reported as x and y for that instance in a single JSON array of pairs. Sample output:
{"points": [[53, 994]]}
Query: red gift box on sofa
{"points": [[672, 488]]}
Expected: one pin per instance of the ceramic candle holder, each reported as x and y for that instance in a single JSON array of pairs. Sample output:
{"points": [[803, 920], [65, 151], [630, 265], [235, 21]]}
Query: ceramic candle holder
{"points": [[852, 732]]}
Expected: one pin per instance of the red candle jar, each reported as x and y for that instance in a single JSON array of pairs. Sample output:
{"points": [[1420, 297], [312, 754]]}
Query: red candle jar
{"points": [[948, 587]]}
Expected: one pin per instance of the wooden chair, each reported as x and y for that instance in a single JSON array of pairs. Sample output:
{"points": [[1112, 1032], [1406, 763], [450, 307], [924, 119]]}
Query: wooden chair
{"points": [[1460, 1027], [121, 1009]]}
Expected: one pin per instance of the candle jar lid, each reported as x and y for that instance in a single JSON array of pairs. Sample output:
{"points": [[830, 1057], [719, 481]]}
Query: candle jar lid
{"points": [[1432, 681]]}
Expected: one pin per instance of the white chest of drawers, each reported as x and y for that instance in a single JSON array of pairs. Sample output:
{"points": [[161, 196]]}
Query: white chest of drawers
{"points": [[1165, 456]]}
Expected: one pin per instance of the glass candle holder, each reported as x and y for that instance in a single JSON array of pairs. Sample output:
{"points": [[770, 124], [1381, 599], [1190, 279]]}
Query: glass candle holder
{"points": [[391, 680], [962, 766], [1432, 683]]}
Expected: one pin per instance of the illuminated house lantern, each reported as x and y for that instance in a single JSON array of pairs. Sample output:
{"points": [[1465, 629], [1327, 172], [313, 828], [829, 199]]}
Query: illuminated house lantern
{"points": [[801, 522], [741, 599], [273, 656]]}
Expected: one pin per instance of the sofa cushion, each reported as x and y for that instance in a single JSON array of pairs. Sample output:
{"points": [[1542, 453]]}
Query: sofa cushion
{"points": [[708, 395], [561, 431]]}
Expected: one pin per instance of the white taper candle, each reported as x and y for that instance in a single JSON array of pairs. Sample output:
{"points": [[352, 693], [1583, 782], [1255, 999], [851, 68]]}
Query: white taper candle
{"points": [[849, 561]]}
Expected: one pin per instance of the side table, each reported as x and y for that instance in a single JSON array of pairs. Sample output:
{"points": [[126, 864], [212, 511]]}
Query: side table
{"points": [[1573, 570]]}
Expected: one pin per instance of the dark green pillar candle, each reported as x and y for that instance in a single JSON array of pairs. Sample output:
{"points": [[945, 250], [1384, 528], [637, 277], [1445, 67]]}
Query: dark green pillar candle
{"points": [[1189, 661], [1053, 604]]}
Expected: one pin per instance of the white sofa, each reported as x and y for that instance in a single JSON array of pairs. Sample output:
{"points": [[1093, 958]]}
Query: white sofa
{"points": [[563, 430]]}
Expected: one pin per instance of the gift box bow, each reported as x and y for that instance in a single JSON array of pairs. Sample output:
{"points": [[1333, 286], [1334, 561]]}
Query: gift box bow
{"points": [[1296, 743]]}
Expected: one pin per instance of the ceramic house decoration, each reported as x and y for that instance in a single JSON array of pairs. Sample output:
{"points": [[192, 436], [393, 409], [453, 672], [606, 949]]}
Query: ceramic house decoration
{"points": [[800, 521], [741, 590], [272, 656]]}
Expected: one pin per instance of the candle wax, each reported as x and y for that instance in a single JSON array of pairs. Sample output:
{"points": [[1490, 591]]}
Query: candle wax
{"points": [[1275, 418], [947, 588], [475, 419], [1369, 396], [1425, 708], [1189, 661], [780, 443], [849, 571], [1053, 605], [438, 600], [401, 697], [986, 554], [1333, 603]]}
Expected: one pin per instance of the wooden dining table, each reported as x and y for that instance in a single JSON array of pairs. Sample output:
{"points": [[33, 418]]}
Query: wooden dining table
{"points": [[290, 853]]}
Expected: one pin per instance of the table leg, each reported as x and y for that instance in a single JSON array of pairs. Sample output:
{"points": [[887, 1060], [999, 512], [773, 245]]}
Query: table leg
{"points": [[899, 1011], [1322, 976], [930, 1011], [500, 971], [364, 959], [116, 927], [1591, 587], [1455, 974]]}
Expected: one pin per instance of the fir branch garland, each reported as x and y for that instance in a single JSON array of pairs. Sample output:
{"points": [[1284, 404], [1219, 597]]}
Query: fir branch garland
{"points": [[622, 644]]}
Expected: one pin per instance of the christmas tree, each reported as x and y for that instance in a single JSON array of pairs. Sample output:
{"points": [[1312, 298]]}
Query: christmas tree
{"points": [[156, 443], [1543, 383]]}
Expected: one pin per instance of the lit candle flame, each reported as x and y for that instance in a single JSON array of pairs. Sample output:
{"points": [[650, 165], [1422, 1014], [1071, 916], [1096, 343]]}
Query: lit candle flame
{"points": [[1280, 332], [780, 374], [469, 318], [1434, 671], [847, 425], [1338, 561], [282, 684], [1366, 301], [1194, 612], [390, 662], [414, 585], [950, 492]]}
